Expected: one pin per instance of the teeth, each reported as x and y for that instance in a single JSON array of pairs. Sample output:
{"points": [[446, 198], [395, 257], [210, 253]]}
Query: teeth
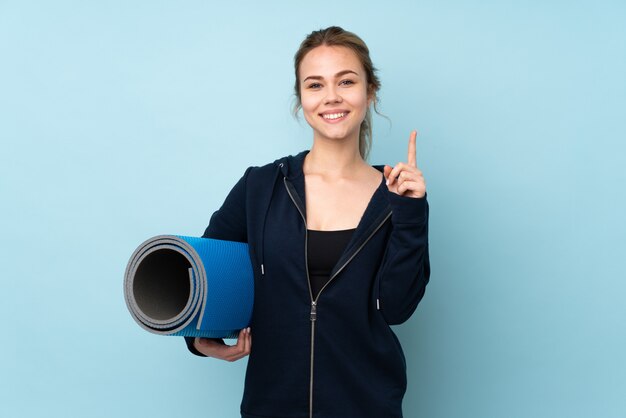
{"points": [[334, 116]]}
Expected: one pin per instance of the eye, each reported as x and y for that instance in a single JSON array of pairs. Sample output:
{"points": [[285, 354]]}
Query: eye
{"points": [[346, 82], [314, 86]]}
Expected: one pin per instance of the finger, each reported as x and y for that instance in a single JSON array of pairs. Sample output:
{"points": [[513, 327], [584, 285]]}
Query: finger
{"points": [[239, 348], [412, 189], [231, 352], [412, 156], [241, 339], [404, 187], [413, 175], [248, 344], [218, 349], [244, 349], [386, 172], [403, 177], [395, 173]]}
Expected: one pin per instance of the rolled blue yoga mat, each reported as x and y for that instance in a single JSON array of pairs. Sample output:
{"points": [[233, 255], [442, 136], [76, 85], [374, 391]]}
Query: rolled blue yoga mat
{"points": [[187, 286]]}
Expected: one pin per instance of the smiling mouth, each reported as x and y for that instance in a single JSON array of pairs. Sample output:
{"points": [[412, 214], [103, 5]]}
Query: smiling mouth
{"points": [[334, 116]]}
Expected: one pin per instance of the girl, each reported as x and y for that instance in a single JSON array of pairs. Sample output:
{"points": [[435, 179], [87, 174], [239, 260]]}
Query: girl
{"points": [[339, 250]]}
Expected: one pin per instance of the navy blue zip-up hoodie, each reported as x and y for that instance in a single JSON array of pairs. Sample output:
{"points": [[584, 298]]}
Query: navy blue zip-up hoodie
{"points": [[336, 356]]}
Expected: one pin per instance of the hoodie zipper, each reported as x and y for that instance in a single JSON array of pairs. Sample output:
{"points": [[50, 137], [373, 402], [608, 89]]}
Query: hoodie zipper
{"points": [[313, 302], [313, 316]]}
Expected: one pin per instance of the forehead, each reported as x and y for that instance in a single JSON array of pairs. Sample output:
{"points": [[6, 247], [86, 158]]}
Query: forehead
{"points": [[328, 60]]}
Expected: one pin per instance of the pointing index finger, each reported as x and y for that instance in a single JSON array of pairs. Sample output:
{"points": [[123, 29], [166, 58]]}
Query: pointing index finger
{"points": [[412, 156]]}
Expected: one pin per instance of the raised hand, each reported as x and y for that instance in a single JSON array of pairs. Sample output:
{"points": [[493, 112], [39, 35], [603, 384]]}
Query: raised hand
{"points": [[216, 348], [405, 178]]}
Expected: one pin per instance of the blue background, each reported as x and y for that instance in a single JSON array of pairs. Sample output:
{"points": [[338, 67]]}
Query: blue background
{"points": [[124, 120]]}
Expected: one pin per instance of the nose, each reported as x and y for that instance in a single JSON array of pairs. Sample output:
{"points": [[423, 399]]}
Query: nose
{"points": [[332, 95]]}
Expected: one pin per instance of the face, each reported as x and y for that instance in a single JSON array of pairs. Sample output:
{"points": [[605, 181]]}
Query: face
{"points": [[333, 91]]}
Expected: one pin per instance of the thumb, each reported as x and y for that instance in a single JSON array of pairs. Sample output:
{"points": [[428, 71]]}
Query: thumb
{"points": [[203, 342], [387, 171]]}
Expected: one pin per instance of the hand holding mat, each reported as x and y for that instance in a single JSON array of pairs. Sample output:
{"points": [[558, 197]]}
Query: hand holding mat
{"points": [[192, 287]]}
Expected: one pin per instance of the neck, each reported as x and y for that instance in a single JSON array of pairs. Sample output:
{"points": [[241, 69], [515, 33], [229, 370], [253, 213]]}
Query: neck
{"points": [[334, 156]]}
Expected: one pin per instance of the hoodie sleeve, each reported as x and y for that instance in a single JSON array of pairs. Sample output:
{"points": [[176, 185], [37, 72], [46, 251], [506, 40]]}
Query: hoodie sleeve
{"points": [[228, 223], [405, 269]]}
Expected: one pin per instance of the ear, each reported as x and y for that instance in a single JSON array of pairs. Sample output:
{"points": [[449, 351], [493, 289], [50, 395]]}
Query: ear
{"points": [[371, 100], [371, 95]]}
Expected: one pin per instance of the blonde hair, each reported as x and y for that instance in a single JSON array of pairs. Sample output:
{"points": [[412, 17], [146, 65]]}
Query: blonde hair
{"points": [[336, 36]]}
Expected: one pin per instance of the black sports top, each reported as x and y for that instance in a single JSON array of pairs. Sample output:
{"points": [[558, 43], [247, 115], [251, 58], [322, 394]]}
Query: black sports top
{"points": [[323, 251]]}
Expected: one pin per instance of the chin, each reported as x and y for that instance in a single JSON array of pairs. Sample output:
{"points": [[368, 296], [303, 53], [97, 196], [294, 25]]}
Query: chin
{"points": [[337, 135], [334, 136]]}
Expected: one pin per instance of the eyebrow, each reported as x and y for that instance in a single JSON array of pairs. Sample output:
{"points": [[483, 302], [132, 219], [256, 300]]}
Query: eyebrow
{"points": [[339, 74]]}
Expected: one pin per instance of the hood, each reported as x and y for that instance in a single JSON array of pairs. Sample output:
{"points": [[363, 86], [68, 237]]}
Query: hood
{"points": [[291, 166]]}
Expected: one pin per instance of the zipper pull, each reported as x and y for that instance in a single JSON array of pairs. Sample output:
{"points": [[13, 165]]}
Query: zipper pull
{"points": [[313, 311]]}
